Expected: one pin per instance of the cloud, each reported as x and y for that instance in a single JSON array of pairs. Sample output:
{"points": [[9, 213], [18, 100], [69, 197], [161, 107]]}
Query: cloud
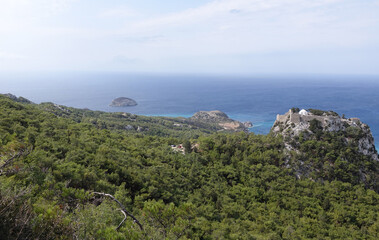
{"points": [[235, 11], [143, 39], [202, 13], [124, 59], [45, 7], [56, 6], [26, 15], [71, 33], [219, 10], [11, 56], [265, 24], [119, 12]]}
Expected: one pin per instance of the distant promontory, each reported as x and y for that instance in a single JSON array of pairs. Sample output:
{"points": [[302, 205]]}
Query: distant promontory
{"points": [[123, 102], [221, 119]]}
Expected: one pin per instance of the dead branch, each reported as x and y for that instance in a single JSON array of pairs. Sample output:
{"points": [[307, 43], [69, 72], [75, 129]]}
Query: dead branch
{"points": [[122, 220], [10, 160], [123, 210]]}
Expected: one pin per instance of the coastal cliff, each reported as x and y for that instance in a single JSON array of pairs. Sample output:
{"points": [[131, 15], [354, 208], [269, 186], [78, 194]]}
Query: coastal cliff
{"points": [[323, 146], [307, 123]]}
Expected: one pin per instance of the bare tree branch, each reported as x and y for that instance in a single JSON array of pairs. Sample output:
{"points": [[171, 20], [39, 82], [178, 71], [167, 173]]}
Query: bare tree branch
{"points": [[10, 160], [122, 220], [123, 209]]}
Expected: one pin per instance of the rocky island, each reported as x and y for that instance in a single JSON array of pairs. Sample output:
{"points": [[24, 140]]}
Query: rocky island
{"points": [[221, 119], [123, 102]]}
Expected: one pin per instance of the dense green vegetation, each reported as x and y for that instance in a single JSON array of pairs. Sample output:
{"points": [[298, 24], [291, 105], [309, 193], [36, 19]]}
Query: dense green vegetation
{"points": [[321, 112], [230, 186], [295, 110], [325, 156], [156, 126]]}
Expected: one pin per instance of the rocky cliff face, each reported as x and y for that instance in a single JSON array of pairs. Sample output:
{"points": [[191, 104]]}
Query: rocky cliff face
{"points": [[293, 123], [221, 119]]}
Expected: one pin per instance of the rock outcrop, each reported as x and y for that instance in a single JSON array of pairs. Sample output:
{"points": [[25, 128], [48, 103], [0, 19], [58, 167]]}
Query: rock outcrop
{"points": [[123, 102], [221, 119], [248, 124], [295, 122]]}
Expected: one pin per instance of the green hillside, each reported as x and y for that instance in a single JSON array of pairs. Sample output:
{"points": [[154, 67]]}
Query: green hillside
{"points": [[55, 161]]}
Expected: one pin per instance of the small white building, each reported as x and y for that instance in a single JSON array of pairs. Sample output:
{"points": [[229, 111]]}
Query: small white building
{"points": [[304, 112]]}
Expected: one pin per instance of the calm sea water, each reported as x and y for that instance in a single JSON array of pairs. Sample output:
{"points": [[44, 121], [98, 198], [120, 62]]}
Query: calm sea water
{"points": [[258, 99]]}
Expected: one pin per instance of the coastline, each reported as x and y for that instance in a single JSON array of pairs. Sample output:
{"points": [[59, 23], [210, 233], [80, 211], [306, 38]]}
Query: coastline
{"points": [[256, 99], [259, 126]]}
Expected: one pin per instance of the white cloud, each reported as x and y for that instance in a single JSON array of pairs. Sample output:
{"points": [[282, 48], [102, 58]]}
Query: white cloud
{"points": [[224, 10], [209, 11], [59, 32], [11, 56], [53, 7], [48, 7], [267, 24], [26, 15], [124, 59], [119, 12]]}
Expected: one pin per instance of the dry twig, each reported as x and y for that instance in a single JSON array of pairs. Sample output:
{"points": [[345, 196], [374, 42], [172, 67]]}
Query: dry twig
{"points": [[10, 160], [123, 210]]}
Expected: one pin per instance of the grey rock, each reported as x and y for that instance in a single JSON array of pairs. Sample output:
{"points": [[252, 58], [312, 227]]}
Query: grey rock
{"points": [[129, 127], [248, 124], [123, 102]]}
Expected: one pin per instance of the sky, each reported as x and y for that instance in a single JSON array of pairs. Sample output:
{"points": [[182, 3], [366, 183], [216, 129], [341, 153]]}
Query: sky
{"points": [[194, 36]]}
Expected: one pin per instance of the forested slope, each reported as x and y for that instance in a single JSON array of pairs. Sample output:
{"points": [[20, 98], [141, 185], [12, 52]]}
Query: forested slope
{"points": [[54, 162]]}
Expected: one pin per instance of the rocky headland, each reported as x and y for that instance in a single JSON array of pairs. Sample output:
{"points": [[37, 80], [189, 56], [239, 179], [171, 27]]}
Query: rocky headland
{"points": [[123, 102], [221, 119], [308, 123]]}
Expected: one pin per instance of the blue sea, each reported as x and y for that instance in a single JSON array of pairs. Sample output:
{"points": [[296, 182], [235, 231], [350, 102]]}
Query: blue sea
{"points": [[246, 98]]}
